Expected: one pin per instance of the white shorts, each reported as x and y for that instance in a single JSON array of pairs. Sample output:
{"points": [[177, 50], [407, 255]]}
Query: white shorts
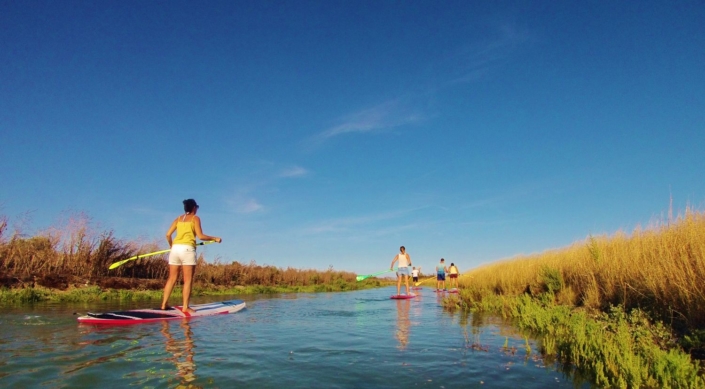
{"points": [[403, 271], [182, 254]]}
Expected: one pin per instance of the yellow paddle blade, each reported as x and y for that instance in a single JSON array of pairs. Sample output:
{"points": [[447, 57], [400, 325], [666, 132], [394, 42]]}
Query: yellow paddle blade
{"points": [[421, 282]]}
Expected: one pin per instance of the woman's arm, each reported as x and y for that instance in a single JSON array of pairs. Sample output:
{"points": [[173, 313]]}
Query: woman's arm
{"points": [[396, 257], [199, 231], [170, 232]]}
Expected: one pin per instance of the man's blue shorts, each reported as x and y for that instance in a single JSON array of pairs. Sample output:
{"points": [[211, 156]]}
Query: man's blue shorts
{"points": [[441, 277]]}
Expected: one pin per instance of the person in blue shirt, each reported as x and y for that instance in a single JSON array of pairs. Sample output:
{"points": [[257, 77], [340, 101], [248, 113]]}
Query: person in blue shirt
{"points": [[441, 271]]}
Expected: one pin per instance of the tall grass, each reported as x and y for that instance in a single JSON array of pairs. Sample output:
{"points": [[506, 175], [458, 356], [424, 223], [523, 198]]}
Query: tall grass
{"points": [[612, 349], [77, 253], [73, 249], [660, 269]]}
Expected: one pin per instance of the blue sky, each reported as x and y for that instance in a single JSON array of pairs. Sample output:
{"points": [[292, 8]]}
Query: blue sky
{"points": [[332, 132]]}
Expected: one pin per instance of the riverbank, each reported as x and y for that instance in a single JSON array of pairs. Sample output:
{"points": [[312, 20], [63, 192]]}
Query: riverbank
{"points": [[92, 293], [70, 262], [621, 310], [607, 349]]}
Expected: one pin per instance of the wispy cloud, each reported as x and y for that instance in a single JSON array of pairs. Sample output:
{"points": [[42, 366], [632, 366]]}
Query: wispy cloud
{"points": [[476, 60], [345, 223], [294, 171], [244, 198], [250, 206], [369, 223], [247, 196], [467, 64], [387, 115]]}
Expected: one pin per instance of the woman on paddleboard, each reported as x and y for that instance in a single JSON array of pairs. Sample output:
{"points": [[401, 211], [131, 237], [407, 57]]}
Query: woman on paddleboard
{"points": [[453, 275], [402, 269], [183, 251]]}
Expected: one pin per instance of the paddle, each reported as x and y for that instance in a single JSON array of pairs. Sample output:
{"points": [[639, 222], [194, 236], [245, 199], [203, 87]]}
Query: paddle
{"points": [[120, 263], [360, 278], [427, 279]]}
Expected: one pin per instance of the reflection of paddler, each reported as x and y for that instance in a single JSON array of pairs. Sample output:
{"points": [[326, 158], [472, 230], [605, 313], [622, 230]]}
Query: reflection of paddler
{"points": [[403, 323], [182, 351]]}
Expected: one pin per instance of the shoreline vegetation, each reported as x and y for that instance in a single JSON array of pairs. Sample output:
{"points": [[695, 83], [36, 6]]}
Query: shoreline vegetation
{"points": [[616, 311], [69, 263]]}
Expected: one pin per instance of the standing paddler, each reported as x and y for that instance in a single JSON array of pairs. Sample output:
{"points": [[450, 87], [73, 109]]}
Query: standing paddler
{"points": [[404, 262], [183, 251]]}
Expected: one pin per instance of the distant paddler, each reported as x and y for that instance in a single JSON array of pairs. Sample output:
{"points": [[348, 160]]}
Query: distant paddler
{"points": [[183, 251], [441, 271], [453, 275], [415, 273], [404, 262]]}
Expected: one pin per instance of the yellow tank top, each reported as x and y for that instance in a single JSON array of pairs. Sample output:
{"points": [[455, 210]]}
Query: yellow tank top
{"points": [[185, 232], [453, 270]]}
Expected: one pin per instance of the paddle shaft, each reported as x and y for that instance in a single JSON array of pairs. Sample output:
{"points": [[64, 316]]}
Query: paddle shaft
{"points": [[360, 278], [124, 261], [427, 279]]}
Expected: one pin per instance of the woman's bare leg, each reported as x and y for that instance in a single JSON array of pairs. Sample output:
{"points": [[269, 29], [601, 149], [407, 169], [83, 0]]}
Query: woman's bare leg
{"points": [[188, 282], [169, 287]]}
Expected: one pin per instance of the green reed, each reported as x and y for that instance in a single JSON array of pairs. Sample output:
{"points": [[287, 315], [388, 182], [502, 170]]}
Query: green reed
{"points": [[610, 349]]}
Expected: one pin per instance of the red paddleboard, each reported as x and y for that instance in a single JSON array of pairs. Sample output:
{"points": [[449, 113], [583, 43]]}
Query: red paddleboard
{"points": [[416, 288], [403, 296], [453, 290], [137, 316]]}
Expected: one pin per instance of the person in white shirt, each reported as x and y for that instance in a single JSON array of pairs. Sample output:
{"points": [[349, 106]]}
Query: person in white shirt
{"points": [[415, 273], [402, 269]]}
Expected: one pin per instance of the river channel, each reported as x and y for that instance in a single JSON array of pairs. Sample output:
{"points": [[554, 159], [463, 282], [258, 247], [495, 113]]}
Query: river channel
{"points": [[358, 339]]}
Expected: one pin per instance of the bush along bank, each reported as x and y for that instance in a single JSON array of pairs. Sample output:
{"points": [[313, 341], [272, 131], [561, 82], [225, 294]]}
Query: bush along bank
{"points": [[614, 349], [95, 293], [70, 262]]}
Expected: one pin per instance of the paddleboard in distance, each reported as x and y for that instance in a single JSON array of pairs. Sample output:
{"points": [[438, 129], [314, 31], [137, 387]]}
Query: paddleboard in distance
{"points": [[416, 288], [136, 316], [402, 296]]}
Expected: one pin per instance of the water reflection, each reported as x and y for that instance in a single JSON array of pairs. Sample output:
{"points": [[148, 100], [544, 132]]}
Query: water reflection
{"points": [[181, 350], [346, 344], [403, 323]]}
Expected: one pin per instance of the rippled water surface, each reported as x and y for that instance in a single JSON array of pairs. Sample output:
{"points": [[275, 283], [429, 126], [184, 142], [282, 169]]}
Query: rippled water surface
{"points": [[333, 340]]}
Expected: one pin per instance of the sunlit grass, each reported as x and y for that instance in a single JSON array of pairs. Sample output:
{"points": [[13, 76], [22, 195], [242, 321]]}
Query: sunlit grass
{"points": [[660, 269], [73, 257], [624, 310]]}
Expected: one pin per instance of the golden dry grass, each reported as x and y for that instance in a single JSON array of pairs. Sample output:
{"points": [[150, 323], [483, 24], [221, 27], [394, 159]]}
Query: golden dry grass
{"points": [[660, 269], [75, 251]]}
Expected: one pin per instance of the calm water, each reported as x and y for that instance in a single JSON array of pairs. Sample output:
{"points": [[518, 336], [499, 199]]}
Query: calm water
{"points": [[332, 340]]}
